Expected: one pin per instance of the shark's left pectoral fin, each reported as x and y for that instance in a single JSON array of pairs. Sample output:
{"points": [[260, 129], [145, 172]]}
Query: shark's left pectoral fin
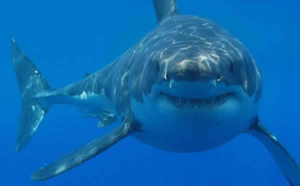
{"points": [[282, 157], [86, 152]]}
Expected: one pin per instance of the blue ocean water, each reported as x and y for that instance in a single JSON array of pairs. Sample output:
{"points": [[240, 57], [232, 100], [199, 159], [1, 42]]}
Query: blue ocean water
{"points": [[65, 39]]}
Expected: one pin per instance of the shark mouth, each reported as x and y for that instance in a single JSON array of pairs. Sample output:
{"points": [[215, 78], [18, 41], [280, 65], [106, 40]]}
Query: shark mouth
{"points": [[200, 103]]}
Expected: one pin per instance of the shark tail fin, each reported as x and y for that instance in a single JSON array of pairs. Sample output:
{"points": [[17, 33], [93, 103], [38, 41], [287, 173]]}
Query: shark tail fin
{"points": [[31, 82]]}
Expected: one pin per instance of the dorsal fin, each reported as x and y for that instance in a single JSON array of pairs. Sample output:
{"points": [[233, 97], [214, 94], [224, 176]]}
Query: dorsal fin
{"points": [[87, 74], [165, 9]]}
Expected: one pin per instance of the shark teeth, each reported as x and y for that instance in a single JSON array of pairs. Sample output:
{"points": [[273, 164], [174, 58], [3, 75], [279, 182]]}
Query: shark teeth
{"points": [[200, 103]]}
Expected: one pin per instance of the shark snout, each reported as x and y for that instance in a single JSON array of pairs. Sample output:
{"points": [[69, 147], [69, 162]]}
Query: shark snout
{"points": [[192, 71]]}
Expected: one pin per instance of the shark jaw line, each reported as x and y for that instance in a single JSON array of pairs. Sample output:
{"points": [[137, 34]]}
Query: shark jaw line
{"points": [[198, 103], [204, 95]]}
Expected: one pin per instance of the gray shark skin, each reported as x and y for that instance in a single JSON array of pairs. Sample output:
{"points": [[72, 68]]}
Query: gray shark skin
{"points": [[187, 86]]}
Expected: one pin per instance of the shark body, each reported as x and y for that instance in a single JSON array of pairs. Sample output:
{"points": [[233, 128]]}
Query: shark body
{"points": [[187, 86]]}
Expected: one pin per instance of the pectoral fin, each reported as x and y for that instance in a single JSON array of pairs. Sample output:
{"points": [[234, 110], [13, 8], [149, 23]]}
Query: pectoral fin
{"points": [[86, 152], [284, 160]]}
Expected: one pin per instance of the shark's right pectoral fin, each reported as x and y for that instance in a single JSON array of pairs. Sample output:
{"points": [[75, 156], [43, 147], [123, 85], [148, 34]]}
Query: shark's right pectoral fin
{"points": [[86, 152], [284, 160]]}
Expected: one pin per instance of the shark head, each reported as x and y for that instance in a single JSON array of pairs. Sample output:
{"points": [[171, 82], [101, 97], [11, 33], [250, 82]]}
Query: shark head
{"points": [[198, 88]]}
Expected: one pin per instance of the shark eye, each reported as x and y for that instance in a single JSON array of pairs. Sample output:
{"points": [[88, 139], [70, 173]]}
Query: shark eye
{"points": [[167, 76], [219, 78]]}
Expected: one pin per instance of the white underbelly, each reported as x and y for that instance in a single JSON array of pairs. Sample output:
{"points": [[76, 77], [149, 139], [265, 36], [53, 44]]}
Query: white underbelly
{"points": [[192, 130]]}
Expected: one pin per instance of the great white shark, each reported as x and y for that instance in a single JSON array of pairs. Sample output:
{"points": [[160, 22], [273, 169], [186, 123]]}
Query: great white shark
{"points": [[187, 86]]}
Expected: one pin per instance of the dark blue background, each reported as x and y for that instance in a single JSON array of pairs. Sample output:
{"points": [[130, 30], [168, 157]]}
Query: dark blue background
{"points": [[66, 39]]}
